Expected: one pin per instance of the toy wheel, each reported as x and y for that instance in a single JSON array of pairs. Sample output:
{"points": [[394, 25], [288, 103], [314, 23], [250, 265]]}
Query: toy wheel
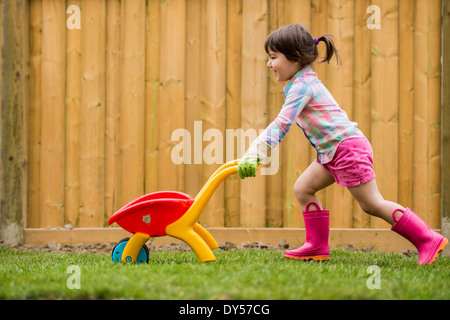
{"points": [[120, 246]]}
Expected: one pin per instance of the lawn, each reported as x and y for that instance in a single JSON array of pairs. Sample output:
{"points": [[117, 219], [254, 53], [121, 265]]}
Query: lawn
{"points": [[236, 275]]}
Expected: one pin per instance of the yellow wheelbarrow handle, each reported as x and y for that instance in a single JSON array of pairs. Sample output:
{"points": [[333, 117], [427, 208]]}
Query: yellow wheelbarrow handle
{"points": [[187, 229], [233, 163]]}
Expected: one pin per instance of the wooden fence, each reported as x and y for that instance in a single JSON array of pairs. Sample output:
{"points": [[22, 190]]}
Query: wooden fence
{"points": [[105, 101]]}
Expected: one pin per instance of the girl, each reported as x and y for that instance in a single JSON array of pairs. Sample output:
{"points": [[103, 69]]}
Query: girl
{"points": [[344, 155]]}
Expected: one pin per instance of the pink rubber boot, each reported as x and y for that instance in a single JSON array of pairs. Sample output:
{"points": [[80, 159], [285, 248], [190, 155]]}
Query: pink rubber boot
{"points": [[427, 242], [317, 227]]}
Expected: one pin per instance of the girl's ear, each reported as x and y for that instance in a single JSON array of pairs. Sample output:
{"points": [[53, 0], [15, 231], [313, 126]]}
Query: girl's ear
{"points": [[299, 59]]}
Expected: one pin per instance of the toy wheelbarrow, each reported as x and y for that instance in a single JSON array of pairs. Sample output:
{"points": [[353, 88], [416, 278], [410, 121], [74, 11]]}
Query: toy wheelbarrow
{"points": [[168, 213]]}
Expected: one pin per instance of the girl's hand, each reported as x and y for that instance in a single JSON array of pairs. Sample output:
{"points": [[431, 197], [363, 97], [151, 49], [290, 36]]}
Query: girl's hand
{"points": [[247, 167]]}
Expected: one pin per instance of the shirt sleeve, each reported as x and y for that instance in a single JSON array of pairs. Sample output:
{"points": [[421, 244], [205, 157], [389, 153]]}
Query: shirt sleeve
{"points": [[298, 96]]}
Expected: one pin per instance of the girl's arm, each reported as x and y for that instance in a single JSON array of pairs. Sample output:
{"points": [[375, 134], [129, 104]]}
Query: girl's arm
{"points": [[299, 95]]}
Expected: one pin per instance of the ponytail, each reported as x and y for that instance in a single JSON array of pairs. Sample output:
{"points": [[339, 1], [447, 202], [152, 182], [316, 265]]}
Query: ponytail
{"points": [[331, 48]]}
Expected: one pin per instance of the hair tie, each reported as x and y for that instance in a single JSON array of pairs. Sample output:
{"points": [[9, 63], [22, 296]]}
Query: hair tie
{"points": [[316, 40]]}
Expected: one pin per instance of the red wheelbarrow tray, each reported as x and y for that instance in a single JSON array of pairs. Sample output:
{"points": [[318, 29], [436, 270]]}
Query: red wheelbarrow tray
{"points": [[152, 213]]}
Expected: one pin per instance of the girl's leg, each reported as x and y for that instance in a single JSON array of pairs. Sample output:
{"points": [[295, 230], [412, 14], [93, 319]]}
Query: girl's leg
{"points": [[312, 180], [373, 203], [317, 220], [407, 224]]}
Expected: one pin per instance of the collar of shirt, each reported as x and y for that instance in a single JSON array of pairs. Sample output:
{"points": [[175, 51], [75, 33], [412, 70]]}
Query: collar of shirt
{"points": [[300, 74]]}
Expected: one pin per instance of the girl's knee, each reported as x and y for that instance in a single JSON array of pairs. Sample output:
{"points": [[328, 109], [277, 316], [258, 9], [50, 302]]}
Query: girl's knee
{"points": [[371, 207], [303, 193], [299, 190]]}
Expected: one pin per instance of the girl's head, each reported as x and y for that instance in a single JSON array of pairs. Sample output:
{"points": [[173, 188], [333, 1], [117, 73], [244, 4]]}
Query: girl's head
{"points": [[298, 46]]}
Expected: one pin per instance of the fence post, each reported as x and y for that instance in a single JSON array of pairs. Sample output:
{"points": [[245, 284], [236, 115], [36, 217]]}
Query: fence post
{"points": [[445, 148], [14, 95]]}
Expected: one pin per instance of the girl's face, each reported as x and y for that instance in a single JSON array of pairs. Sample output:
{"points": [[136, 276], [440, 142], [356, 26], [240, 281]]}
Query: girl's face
{"points": [[282, 68]]}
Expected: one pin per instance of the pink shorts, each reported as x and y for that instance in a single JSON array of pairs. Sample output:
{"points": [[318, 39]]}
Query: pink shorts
{"points": [[352, 163]]}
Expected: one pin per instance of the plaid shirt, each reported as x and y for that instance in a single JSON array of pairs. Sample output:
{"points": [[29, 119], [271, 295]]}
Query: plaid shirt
{"points": [[313, 108]]}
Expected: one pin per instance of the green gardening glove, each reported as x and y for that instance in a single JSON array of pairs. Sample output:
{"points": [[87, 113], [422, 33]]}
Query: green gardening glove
{"points": [[247, 167]]}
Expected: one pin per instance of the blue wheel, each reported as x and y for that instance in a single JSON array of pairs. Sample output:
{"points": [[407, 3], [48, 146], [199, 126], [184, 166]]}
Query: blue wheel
{"points": [[118, 250]]}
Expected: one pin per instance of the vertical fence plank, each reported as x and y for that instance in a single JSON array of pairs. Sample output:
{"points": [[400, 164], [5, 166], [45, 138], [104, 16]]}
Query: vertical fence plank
{"points": [[434, 116], [420, 112], [14, 124], [172, 93], [274, 194], [152, 84], [194, 25], [445, 151], [52, 113], [406, 103], [212, 102], [112, 108], [34, 133], [233, 107], [92, 141], [254, 86], [73, 122], [385, 103], [132, 101], [426, 110]]}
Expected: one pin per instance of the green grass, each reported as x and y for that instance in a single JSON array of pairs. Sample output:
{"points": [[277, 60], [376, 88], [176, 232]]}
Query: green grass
{"points": [[247, 274]]}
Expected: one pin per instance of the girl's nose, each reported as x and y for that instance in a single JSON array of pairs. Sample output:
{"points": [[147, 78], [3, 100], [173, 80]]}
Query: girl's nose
{"points": [[269, 63]]}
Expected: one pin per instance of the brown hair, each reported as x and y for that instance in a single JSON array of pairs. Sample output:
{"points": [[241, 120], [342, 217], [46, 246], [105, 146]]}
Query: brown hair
{"points": [[297, 44]]}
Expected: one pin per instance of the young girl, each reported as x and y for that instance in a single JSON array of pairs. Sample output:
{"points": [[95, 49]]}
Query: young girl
{"points": [[344, 155]]}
